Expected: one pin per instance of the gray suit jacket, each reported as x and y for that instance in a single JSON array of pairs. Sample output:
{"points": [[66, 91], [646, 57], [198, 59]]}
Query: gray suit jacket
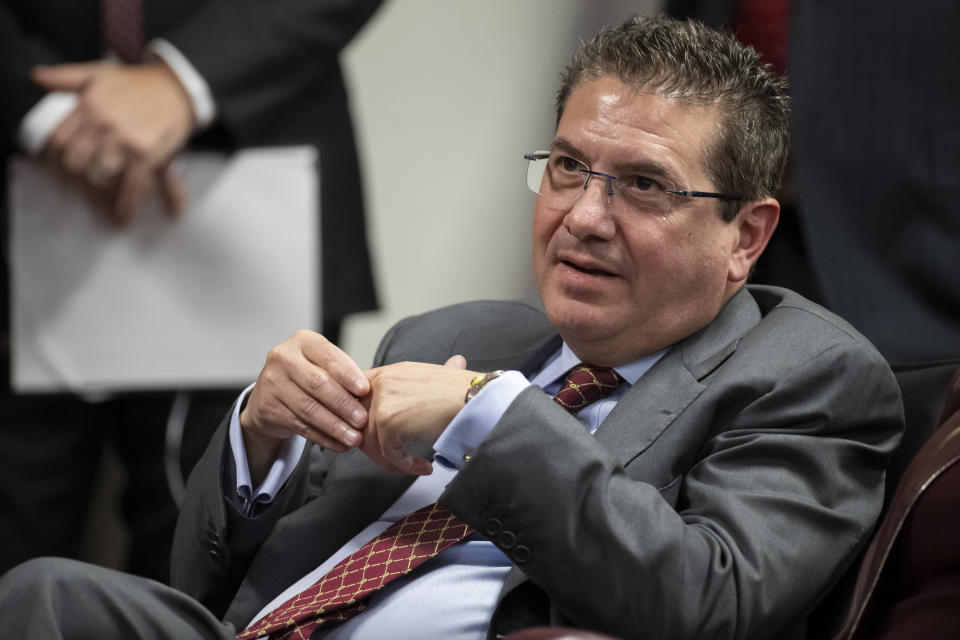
{"points": [[728, 489]]}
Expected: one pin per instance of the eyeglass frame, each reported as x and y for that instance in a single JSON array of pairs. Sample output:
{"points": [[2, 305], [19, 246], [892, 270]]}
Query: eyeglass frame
{"points": [[534, 156]]}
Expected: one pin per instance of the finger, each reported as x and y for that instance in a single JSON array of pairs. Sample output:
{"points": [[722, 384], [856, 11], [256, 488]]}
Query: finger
{"points": [[457, 361], [316, 423], [64, 77], [102, 198], [321, 388], [339, 444], [372, 449], [108, 165], [172, 192], [341, 367], [135, 187], [269, 415], [60, 139], [80, 153]]}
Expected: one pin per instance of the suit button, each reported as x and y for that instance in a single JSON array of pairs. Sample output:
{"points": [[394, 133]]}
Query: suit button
{"points": [[492, 527], [507, 540], [216, 555], [521, 555]]}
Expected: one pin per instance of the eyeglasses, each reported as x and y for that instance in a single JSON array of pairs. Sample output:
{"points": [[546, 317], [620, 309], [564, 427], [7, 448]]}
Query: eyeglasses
{"points": [[562, 179]]}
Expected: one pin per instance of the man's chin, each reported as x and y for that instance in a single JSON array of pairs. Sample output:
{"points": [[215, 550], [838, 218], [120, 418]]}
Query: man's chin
{"points": [[577, 320]]}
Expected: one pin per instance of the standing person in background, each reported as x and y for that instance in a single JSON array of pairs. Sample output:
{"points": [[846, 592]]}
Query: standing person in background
{"points": [[876, 161], [106, 93]]}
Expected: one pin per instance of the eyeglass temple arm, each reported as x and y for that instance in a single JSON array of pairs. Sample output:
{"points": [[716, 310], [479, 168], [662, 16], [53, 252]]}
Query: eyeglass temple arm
{"points": [[702, 194]]}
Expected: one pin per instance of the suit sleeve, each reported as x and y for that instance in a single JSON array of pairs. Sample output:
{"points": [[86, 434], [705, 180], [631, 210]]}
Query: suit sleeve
{"points": [[259, 57], [19, 52], [764, 513], [215, 541]]}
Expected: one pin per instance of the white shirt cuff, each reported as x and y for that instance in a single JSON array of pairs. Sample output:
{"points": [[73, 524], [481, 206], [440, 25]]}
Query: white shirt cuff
{"points": [[43, 119], [279, 472], [469, 428], [204, 108]]}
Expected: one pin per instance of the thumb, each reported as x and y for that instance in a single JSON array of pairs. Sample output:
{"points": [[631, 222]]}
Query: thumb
{"points": [[457, 361], [65, 77]]}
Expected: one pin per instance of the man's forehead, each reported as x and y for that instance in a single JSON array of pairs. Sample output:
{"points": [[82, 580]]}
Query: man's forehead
{"points": [[632, 125]]}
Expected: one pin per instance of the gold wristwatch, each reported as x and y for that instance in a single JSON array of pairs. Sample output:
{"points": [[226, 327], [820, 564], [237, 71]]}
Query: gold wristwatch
{"points": [[479, 382]]}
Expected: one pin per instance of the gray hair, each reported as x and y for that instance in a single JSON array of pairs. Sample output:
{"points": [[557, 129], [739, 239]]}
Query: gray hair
{"points": [[689, 61]]}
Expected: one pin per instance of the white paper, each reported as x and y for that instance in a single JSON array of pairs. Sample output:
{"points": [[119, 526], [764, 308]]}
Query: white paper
{"points": [[186, 303]]}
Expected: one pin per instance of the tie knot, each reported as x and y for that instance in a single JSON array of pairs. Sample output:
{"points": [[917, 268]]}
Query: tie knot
{"points": [[585, 384]]}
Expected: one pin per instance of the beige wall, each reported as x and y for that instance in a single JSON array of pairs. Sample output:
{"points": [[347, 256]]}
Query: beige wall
{"points": [[447, 95]]}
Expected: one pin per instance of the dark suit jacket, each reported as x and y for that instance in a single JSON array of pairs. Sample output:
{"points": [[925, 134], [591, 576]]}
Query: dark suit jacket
{"points": [[274, 73], [725, 492], [876, 156], [909, 582]]}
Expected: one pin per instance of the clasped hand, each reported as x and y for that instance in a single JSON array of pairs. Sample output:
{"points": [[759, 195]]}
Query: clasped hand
{"points": [[117, 144], [310, 387]]}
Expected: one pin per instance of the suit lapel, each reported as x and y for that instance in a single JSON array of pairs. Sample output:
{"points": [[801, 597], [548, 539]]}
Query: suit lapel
{"points": [[654, 402], [668, 388]]}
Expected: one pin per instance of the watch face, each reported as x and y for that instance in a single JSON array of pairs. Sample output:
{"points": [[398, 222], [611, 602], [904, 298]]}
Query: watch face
{"points": [[479, 383]]}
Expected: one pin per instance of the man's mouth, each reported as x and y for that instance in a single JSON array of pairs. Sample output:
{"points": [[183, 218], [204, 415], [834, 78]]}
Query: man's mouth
{"points": [[582, 269]]}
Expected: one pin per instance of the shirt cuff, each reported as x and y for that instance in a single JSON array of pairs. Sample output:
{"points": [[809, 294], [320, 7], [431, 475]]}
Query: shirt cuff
{"points": [[204, 108], [43, 119], [280, 471], [471, 426]]}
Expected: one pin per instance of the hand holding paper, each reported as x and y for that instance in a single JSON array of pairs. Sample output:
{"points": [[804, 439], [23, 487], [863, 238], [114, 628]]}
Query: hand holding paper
{"points": [[118, 142]]}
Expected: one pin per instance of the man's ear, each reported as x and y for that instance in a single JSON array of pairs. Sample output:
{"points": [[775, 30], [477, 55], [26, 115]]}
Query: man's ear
{"points": [[755, 223]]}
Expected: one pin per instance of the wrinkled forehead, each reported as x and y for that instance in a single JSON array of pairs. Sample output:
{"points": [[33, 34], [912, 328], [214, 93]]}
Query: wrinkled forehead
{"points": [[613, 123]]}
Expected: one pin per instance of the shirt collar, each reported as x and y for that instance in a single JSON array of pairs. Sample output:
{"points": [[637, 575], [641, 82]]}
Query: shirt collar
{"points": [[564, 359]]}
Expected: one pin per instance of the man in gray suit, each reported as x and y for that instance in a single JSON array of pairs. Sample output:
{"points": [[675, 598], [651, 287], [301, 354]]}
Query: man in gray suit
{"points": [[725, 484]]}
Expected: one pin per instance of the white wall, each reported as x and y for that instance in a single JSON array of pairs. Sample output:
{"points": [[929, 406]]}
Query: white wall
{"points": [[447, 96]]}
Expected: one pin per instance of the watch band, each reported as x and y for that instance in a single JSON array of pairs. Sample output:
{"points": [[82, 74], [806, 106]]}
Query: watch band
{"points": [[479, 382]]}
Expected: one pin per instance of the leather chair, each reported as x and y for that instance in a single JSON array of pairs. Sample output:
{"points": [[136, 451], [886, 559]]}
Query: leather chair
{"points": [[924, 389]]}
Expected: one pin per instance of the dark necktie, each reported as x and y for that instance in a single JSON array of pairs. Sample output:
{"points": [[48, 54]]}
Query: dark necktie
{"points": [[122, 28], [403, 546], [585, 384]]}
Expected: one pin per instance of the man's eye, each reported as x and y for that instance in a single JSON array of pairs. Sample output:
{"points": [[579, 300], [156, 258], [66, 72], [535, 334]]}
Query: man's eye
{"points": [[643, 183], [569, 164]]}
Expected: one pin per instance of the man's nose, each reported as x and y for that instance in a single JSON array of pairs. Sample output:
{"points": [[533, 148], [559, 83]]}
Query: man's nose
{"points": [[591, 214]]}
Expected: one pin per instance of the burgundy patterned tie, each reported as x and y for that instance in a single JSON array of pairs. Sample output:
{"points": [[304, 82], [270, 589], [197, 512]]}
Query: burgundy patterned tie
{"points": [[405, 545], [122, 28], [342, 592], [585, 384]]}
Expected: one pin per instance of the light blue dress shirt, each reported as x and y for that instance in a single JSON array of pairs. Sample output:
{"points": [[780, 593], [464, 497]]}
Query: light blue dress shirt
{"points": [[470, 574]]}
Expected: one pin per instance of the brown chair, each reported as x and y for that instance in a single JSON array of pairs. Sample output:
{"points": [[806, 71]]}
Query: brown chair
{"points": [[909, 582], [924, 389]]}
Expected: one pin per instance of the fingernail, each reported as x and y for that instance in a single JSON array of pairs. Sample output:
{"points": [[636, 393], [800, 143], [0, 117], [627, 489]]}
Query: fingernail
{"points": [[358, 416], [351, 438]]}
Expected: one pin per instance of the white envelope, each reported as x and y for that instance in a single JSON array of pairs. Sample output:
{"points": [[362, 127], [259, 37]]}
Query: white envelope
{"points": [[187, 303]]}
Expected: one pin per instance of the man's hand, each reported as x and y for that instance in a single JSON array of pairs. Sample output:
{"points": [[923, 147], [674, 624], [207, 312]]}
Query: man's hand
{"points": [[117, 144], [310, 387], [412, 402]]}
